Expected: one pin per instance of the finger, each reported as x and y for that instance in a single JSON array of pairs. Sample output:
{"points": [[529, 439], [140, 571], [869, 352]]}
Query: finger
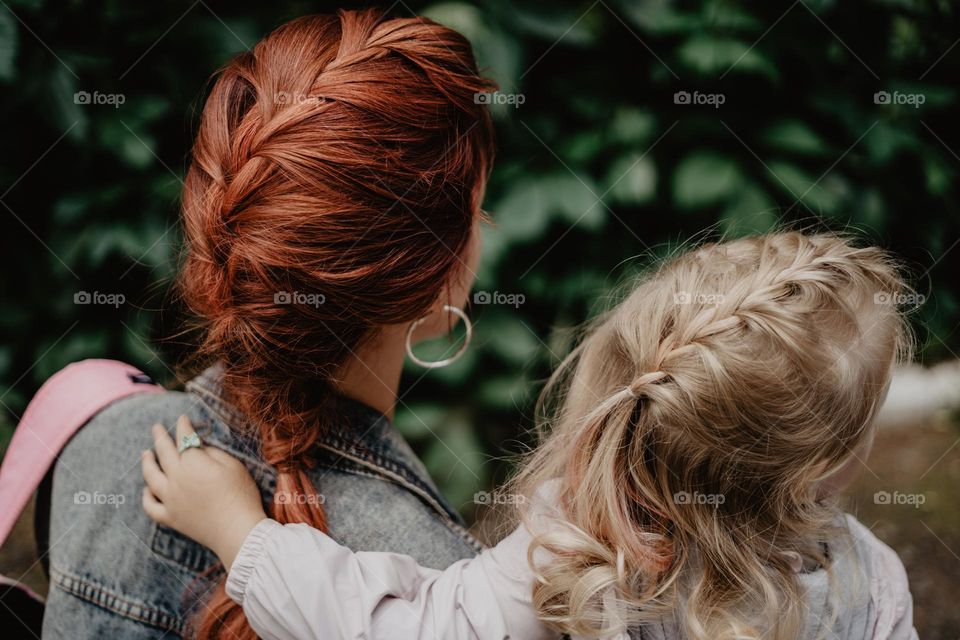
{"points": [[153, 475], [184, 428], [153, 507], [221, 456], [166, 450]]}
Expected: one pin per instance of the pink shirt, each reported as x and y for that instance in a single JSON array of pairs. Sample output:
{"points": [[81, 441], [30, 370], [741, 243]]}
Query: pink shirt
{"points": [[296, 583]]}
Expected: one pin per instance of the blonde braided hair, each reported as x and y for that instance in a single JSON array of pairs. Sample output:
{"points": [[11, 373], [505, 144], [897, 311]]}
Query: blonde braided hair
{"points": [[691, 429]]}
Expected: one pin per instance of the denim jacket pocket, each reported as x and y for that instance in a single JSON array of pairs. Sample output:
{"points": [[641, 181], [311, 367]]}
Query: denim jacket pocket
{"points": [[180, 550]]}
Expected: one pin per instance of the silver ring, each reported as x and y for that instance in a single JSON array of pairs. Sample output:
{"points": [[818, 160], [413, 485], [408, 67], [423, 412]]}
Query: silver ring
{"points": [[191, 441], [468, 326]]}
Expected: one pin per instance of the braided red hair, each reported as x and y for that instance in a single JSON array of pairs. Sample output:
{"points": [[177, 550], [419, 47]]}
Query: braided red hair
{"points": [[342, 160]]}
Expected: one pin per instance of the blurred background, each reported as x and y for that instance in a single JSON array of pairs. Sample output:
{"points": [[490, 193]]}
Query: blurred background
{"points": [[626, 127]]}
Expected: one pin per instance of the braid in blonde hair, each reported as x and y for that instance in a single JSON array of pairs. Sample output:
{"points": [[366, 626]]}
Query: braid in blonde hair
{"points": [[693, 426]]}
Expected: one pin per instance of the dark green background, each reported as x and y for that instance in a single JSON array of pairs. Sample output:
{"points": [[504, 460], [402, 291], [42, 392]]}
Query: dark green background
{"points": [[599, 171]]}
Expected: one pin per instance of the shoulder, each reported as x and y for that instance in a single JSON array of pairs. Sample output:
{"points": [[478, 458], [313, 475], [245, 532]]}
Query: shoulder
{"points": [[126, 423], [109, 548], [370, 512], [103, 548], [887, 582]]}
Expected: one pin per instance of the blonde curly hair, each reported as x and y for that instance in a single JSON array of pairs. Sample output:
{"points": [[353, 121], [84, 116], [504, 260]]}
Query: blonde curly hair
{"points": [[693, 429]]}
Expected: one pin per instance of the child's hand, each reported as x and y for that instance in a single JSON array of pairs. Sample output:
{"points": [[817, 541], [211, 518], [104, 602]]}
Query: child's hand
{"points": [[204, 493]]}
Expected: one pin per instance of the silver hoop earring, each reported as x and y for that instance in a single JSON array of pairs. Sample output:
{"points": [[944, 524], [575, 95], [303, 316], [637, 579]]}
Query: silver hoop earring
{"points": [[446, 361]]}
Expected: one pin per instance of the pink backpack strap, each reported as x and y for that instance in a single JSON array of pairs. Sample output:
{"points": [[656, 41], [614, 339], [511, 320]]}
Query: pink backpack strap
{"points": [[63, 404]]}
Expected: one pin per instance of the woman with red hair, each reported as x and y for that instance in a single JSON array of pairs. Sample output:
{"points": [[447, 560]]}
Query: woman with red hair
{"points": [[330, 213]]}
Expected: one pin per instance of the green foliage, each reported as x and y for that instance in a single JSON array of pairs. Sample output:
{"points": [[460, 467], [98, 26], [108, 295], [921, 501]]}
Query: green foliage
{"points": [[599, 171]]}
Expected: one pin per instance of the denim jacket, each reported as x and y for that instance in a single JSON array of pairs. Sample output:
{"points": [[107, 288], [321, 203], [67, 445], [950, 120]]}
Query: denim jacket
{"points": [[116, 574]]}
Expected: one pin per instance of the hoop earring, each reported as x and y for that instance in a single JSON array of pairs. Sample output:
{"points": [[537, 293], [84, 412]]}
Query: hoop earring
{"points": [[446, 361]]}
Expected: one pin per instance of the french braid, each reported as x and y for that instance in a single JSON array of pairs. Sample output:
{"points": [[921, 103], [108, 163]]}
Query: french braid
{"points": [[694, 425], [344, 159]]}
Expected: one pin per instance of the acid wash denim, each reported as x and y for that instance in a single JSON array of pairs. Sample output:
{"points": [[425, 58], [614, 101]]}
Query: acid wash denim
{"points": [[116, 574]]}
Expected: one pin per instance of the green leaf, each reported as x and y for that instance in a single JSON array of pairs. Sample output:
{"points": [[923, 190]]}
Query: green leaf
{"points": [[884, 141], [523, 213], [509, 338], [148, 109], [576, 199], [795, 136], [68, 115], [8, 46], [526, 210], [70, 208], [632, 179], [136, 340], [658, 16], [455, 458], [820, 197], [77, 344], [147, 243], [710, 55], [555, 24], [728, 16], [632, 126], [871, 210], [704, 178], [939, 178], [135, 148], [750, 211], [414, 420], [506, 393], [584, 146], [494, 246]]}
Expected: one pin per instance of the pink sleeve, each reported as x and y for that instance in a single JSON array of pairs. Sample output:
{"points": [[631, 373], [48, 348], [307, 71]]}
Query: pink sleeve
{"points": [[891, 592], [295, 583], [889, 587]]}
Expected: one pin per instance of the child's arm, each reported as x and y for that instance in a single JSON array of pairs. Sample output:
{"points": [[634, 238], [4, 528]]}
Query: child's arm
{"points": [[295, 582], [889, 587]]}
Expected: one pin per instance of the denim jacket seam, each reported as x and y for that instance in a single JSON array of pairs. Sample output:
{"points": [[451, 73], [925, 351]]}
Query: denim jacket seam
{"points": [[191, 558], [378, 467], [427, 497], [383, 469], [372, 465], [90, 591], [452, 525], [390, 468], [213, 402], [344, 448]]}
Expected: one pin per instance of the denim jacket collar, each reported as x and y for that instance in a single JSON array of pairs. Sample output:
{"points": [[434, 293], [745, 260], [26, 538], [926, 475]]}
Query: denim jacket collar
{"points": [[365, 441]]}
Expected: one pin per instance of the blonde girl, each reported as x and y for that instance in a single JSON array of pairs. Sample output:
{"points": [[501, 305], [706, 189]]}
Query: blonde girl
{"points": [[693, 448]]}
